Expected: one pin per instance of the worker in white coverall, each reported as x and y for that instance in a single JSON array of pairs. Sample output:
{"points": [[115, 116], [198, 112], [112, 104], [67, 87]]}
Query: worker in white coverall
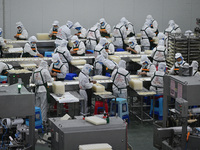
{"points": [[2, 43], [40, 77], [54, 30], [109, 47], [129, 29], [147, 68], [119, 34], [30, 48], [134, 48], [159, 53], [147, 36], [99, 64], [100, 47], [64, 54], [85, 86], [153, 24], [78, 48], [195, 66], [179, 63], [81, 31], [157, 79], [57, 69], [173, 28], [105, 28], [93, 36], [22, 33], [4, 67], [121, 79], [64, 32]]}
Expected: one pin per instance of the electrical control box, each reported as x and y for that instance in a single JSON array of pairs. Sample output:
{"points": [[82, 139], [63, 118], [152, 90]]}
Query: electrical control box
{"points": [[181, 107]]}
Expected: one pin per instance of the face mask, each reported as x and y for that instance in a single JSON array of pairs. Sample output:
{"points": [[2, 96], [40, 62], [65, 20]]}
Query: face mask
{"points": [[78, 28], [101, 63], [90, 70], [180, 62], [76, 42], [33, 44], [57, 63], [103, 23], [145, 65], [132, 44]]}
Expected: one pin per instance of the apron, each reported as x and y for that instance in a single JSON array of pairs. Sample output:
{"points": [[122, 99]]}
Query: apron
{"points": [[5, 72], [152, 27], [124, 45], [176, 69], [106, 35], [27, 54], [55, 31], [57, 70]]}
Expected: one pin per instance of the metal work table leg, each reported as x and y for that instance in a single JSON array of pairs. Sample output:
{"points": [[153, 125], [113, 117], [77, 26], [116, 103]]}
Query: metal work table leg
{"points": [[32, 131], [141, 109], [153, 107]]}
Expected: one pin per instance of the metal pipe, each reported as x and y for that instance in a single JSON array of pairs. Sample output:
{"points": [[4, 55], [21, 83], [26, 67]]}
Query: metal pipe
{"points": [[3, 5]]}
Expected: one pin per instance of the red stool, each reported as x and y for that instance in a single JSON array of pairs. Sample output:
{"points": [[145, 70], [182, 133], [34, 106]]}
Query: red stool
{"points": [[99, 105]]}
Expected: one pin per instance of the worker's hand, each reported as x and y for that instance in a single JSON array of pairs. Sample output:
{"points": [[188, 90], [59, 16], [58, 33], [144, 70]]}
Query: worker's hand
{"points": [[53, 74], [94, 82], [5, 41], [15, 36], [142, 73], [73, 52], [40, 55], [54, 78], [51, 35], [128, 48]]}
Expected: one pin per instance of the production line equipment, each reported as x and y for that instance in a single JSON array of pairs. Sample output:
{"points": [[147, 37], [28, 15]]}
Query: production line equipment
{"points": [[180, 128], [17, 106]]}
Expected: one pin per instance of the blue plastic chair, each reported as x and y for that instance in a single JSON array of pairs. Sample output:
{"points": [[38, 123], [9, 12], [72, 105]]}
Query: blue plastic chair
{"points": [[157, 110]]}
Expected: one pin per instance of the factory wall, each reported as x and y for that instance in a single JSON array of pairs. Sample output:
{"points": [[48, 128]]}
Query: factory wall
{"points": [[38, 15]]}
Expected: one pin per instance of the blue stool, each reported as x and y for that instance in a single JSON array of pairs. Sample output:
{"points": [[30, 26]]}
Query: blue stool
{"points": [[122, 108], [48, 54], [38, 119], [70, 76], [157, 110], [119, 50]]}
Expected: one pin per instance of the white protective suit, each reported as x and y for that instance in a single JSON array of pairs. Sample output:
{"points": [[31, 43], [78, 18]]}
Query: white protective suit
{"points": [[104, 26], [153, 23], [84, 84], [93, 36], [29, 48], [157, 79], [195, 66], [2, 43], [129, 28], [149, 69], [134, 46], [147, 33], [40, 77], [64, 32], [54, 29], [119, 34], [159, 53], [82, 32], [79, 46], [121, 79], [109, 47], [59, 68], [64, 54], [98, 64], [100, 47], [175, 68], [173, 28], [4, 67], [22, 32]]}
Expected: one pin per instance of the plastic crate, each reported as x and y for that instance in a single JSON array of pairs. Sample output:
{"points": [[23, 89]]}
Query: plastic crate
{"points": [[3, 78], [119, 50], [70, 76], [48, 54]]}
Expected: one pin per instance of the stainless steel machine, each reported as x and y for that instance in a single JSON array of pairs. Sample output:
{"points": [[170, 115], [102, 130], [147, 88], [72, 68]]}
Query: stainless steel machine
{"points": [[69, 134], [15, 107], [176, 131]]}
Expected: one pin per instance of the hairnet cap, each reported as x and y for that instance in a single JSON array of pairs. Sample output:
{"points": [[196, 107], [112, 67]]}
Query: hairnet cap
{"points": [[122, 64], [74, 38], [132, 39], [77, 24], [55, 58], [69, 24], [19, 24], [149, 17], [177, 55], [32, 39], [171, 22], [195, 64], [55, 23], [143, 59], [102, 41], [161, 35], [161, 66], [1, 29], [123, 20], [101, 20], [43, 64]]}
